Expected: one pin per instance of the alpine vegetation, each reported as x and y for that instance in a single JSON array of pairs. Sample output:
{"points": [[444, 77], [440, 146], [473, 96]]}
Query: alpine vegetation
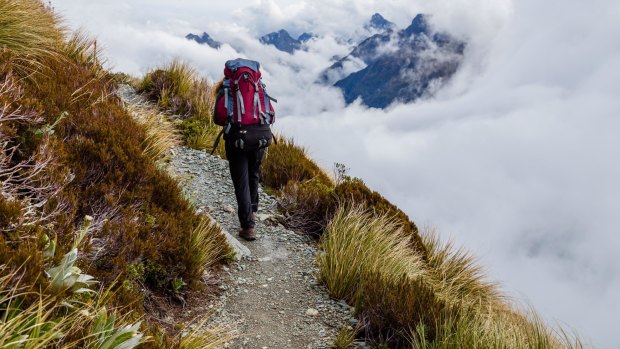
{"points": [[188, 99], [440, 300], [73, 159]]}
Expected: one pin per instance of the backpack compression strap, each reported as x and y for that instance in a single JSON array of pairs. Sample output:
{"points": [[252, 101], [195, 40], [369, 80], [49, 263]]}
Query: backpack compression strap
{"points": [[217, 140]]}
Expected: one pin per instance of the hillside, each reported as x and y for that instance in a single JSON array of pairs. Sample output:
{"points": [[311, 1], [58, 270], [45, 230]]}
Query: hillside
{"points": [[114, 220]]}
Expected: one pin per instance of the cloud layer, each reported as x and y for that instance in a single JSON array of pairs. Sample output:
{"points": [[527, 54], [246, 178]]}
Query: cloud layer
{"points": [[516, 160]]}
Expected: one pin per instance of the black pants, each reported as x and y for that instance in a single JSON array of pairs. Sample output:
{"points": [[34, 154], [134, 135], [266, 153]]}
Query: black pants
{"points": [[245, 172]]}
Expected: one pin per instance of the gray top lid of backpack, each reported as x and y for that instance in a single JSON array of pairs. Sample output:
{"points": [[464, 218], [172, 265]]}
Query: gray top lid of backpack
{"points": [[235, 64]]}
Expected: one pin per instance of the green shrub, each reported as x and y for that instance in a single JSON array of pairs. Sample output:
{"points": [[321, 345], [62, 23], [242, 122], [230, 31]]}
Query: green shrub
{"points": [[200, 135]]}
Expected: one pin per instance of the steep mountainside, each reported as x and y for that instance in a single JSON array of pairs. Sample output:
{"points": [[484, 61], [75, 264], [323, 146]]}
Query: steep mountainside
{"points": [[400, 66]]}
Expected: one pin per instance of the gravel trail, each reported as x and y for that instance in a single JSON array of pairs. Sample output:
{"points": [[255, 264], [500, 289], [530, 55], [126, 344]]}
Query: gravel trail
{"points": [[272, 295]]}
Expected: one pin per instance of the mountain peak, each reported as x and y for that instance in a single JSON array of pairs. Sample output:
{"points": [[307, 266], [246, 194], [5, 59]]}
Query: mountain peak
{"points": [[419, 25], [204, 39], [282, 40], [378, 22]]}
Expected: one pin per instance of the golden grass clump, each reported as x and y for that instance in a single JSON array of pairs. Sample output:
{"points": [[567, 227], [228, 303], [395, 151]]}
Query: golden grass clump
{"points": [[405, 300], [200, 336], [161, 135], [205, 247], [357, 244], [177, 88], [287, 162], [457, 276], [501, 330], [346, 337], [28, 29]]}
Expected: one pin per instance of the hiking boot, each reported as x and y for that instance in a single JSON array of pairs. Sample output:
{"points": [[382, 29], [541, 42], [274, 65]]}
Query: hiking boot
{"points": [[247, 234]]}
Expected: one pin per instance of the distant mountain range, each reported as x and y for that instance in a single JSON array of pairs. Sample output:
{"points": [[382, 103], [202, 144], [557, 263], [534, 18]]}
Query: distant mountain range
{"points": [[390, 65], [400, 66]]}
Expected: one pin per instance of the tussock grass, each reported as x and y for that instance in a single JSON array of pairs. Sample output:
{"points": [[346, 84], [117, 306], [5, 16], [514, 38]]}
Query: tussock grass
{"points": [[346, 337], [440, 300], [199, 336], [161, 135], [457, 276], [201, 134], [178, 89], [80, 48], [28, 29], [357, 244], [206, 246], [502, 330], [287, 162]]}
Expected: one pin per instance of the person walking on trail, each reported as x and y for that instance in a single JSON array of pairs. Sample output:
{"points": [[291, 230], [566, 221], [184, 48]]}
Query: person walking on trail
{"points": [[244, 109]]}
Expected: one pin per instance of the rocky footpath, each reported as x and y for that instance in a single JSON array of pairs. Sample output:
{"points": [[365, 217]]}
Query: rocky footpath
{"points": [[271, 294]]}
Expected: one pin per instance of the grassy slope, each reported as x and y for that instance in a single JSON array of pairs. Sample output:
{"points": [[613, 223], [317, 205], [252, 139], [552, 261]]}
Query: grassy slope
{"points": [[70, 153]]}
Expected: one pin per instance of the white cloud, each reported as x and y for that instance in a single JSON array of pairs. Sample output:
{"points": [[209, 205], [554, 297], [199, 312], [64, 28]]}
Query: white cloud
{"points": [[517, 159]]}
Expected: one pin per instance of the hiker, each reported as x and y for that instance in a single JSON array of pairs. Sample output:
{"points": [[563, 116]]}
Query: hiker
{"points": [[244, 109]]}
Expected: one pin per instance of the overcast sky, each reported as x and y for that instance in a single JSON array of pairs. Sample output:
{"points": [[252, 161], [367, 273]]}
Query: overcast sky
{"points": [[517, 159]]}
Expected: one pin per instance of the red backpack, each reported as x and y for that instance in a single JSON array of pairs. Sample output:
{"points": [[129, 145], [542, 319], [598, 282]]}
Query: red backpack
{"points": [[243, 106]]}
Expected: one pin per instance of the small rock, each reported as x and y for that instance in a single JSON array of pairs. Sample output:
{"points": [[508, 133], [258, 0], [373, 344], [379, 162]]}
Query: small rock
{"points": [[228, 209], [312, 312], [263, 216], [240, 249]]}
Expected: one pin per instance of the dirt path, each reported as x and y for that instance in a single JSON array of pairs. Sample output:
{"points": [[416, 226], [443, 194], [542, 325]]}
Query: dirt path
{"points": [[272, 295]]}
